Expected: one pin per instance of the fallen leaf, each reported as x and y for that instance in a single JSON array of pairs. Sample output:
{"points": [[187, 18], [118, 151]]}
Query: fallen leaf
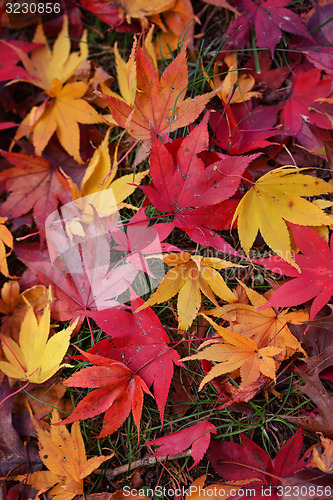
{"points": [[264, 327], [233, 352], [244, 127], [117, 391], [35, 358], [141, 343], [160, 105], [190, 276], [233, 88], [268, 18], [274, 199], [322, 455], [14, 307], [196, 194], [9, 59], [235, 462], [64, 455], [6, 240], [15, 457], [303, 105], [44, 65], [314, 281], [141, 9], [196, 436], [62, 112], [106, 193], [33, 184], [177, 28], [39, 400]]}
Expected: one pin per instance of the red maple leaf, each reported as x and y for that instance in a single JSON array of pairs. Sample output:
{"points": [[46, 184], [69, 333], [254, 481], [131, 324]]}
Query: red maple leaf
{"points": [[139, 341], [33, 184], [269, 18], [303, 104], [315, 279], [110, 14], [197, 436], [235, 462], [159, 105], [9, 59], [244, 128], [195, 194], [141, 241], [117, 391]]}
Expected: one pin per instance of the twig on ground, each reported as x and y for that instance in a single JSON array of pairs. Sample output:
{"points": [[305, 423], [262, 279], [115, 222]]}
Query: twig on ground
{"points": [[143, 462]]}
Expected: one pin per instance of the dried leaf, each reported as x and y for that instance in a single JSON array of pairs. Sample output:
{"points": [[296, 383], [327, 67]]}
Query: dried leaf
{"points": [[35, 358], [64, 455]]}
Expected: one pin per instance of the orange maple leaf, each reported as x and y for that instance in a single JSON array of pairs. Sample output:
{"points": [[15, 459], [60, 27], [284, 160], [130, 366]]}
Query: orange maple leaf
{"points": [[14, 307], [64, 455], [267, 326], [6, 240], [62, 115], [160, 105], [237, 352], [117, 391], [66, 109]]}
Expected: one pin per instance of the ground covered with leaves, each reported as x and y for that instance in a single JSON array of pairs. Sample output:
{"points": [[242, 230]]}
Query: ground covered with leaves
{"points": [[166, 251]]}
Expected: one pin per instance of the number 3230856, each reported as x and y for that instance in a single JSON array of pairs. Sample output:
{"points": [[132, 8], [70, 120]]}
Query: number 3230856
{"points": [[32, 8]]}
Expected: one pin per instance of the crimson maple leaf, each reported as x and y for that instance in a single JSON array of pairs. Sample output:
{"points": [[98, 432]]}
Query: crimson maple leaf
{"points": [[9, 59], [304, 103], [244, 128], [235, 462], [315, 279], [117, 391], [269, 18], [195, 194], [110, 14], [197, 436], [141, 241], [139, 341]]}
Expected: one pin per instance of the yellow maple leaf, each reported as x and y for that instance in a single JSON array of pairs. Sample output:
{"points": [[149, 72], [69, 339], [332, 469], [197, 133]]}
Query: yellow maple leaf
{"points": [[106, 196], [243, 83], [50, 69], [264, 327], [236, 352], [275, 198], [190, 275], [6, 240], [62, 115], [35, 358], [126, 73], [45, 65], [64, 455]]}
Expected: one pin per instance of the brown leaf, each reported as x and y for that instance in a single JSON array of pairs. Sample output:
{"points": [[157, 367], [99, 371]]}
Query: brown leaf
{"points": [[14, 456], [314, 388], [14, 307]]}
